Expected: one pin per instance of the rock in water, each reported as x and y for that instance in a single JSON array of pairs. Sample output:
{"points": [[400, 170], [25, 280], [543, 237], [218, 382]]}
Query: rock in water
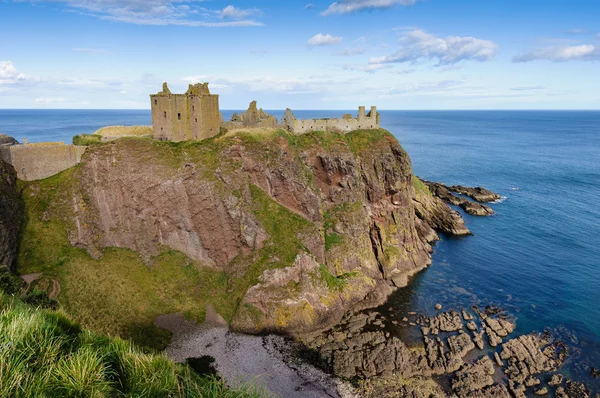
{"points": [[478, 193]]}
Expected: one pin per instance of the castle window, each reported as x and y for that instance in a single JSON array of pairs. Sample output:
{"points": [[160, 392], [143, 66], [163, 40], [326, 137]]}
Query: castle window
{"points": [[155, 102], [196, 120], [193, 108], [165, 112], [179, 116]]}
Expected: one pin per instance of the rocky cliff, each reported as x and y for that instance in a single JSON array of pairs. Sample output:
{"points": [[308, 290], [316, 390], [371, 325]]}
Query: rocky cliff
{"points": [[302, 228], [10, 215]]}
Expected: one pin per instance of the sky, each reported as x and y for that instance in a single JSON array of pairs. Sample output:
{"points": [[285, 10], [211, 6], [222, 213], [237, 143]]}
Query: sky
{"points": [[312, 54]]}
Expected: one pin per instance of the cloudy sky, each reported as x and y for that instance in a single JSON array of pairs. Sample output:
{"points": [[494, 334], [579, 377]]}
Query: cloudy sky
{"points": [[397, 54]]}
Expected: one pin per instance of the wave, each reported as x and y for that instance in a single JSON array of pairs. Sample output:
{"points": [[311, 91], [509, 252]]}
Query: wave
{"points": [[502, 199]]}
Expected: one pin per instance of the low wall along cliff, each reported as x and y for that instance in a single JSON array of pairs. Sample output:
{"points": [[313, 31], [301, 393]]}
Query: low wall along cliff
{"points": [[41, 160]]}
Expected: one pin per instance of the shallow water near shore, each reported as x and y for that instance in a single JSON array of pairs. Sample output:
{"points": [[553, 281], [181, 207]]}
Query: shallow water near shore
{"points": [[538, 257]]}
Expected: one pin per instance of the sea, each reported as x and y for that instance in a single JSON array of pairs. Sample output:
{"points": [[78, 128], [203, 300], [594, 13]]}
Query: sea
{"points": [[538, 257]]}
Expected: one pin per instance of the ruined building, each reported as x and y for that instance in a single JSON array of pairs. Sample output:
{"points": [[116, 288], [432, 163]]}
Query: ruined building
{"points": [[346, 124], [183, 117], [253, 117]]}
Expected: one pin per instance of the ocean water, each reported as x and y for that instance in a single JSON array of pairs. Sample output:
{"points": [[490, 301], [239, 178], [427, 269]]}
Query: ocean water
{"points": [[538, 257]]}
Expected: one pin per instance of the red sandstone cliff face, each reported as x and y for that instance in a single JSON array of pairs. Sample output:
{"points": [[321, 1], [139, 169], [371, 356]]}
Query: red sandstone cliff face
{"points": [[309, 227]]}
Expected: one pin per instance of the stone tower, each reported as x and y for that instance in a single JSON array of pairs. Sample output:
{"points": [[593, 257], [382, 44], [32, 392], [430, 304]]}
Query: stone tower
{"points": [[184, 117]]}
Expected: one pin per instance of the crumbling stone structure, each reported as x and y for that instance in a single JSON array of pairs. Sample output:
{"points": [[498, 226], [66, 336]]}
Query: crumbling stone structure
{"points": [[184, 117], [41, 160], [346, 124], [253, 117]]}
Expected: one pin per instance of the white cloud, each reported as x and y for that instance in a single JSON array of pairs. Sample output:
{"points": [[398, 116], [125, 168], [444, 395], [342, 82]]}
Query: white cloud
{"points": [[9, 74], [90, 50], [50, 100], [350, 6], [584, 52], [237, 13], [418, 45], [528, 88], [323, 40], [309, 6], [369, 68], [161, 12], [352, 51], [404, 71]]}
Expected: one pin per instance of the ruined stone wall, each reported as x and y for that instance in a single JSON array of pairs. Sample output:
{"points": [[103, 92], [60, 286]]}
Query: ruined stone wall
{"points": [[344, 125], [182, 117], [43, 160]]}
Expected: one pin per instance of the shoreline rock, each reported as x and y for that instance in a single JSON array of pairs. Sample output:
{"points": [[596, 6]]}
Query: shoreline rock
{"points": [[473, 208]]}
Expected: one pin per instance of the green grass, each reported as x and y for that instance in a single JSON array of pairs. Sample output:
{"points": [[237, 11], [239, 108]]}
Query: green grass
{"points": [[334, 283], [87, 139], [419, 186], [43, 353]]}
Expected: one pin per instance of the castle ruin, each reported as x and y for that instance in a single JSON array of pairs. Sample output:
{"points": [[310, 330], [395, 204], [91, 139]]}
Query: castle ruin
{"points": [[344, 125], [183, 117]]}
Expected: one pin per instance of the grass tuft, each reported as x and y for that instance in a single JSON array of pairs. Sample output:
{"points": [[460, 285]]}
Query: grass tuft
{"points": [[44, 354]]}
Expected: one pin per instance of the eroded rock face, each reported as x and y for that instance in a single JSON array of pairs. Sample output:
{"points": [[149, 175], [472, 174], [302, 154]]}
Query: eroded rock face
{"points": [[435, 214], [312, 230], [11, 215]]}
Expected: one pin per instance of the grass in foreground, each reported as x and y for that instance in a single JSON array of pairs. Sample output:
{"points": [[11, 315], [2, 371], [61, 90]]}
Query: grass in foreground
{"points": [[44, 354]]}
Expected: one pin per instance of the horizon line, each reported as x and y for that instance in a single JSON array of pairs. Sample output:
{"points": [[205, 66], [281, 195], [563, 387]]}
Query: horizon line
{"points": [[330, 109]]}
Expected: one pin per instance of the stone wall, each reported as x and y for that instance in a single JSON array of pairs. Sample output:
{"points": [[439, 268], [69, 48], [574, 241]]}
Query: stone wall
{"points": [[183, 117], [346, 124], [43, 160]]}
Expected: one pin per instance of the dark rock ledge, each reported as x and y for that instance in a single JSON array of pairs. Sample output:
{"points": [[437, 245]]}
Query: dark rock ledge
{"points": [[467, 354], [479, 194]]}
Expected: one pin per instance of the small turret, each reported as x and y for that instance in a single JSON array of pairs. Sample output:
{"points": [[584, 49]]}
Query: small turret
{"points": [[361, 113]]}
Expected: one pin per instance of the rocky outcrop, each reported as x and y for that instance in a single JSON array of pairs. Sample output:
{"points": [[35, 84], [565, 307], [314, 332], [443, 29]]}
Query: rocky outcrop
{"points": [[475, 209], [303, 230], [11, 215], [478, 193], [435, 214], [362, 348], [6, 140]]}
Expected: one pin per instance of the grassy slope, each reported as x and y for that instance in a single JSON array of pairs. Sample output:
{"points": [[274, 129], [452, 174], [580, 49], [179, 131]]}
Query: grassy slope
{"points": [[43, 353], [118, 294]]}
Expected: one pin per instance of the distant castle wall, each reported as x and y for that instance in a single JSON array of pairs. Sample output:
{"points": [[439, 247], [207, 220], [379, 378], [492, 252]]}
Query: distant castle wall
{"points": [[183, 117], [43, 160], [346, 124]]}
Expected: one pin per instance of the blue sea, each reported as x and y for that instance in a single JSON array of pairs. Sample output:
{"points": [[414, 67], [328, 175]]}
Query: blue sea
{"points": [[538, 257]]}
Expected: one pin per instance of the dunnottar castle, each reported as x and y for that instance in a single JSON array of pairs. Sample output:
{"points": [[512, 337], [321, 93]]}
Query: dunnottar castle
{"points": [[195, 116], [192, 116]]}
